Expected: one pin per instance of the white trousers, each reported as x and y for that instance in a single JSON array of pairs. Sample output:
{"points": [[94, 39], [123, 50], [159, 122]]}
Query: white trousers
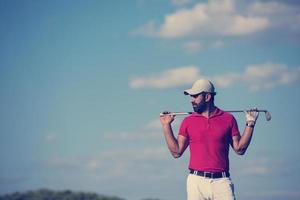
{"points": [[200, 188]]}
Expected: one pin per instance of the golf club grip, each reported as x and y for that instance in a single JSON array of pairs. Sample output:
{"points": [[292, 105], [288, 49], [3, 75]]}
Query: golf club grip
{"points": [[176, 113]]}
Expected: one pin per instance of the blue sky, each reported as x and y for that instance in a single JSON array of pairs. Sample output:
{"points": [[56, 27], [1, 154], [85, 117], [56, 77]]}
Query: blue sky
{"points": [[83, 82]]}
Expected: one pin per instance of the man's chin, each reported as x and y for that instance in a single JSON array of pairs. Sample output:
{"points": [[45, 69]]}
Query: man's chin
{"points": [[195, 109], [199, 109]]}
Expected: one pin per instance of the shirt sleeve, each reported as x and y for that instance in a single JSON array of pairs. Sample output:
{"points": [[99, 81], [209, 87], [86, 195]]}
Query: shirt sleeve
{"points": [[183, 129], [234, 128]]}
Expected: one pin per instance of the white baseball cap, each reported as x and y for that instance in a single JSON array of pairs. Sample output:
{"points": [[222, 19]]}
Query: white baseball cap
{"points": [[201, 85]]}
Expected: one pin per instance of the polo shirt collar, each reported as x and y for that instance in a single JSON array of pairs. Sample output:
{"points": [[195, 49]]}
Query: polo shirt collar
{"points": [[217, 112]]}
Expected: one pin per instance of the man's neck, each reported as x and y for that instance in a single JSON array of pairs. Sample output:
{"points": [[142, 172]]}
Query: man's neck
{"points": [[208, 111]]}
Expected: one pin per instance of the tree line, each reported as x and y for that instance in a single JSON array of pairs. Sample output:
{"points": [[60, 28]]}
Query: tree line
{"points": [[46, 194]]}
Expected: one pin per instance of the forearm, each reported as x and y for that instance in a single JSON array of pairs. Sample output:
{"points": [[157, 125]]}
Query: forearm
{"points": [[245, 140], [246, 137], [171, 141]]}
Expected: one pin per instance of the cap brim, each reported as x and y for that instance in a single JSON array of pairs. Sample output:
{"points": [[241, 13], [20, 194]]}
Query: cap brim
{"points": [[190, 92]]}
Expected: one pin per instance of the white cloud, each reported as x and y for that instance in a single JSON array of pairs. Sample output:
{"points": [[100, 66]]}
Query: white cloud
{"points": [[260, 77], [216, 20], [227, 18], [166, 79], [225, 80], [149, 29], [282, 16], [269, 8], [240, 25], [255, 77], [269, 75], [219, 18], [183, 23]]}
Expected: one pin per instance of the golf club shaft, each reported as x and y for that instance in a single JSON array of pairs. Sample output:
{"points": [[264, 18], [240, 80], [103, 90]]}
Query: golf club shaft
{"points": [[232, 111], [188, 113], [267, 114]]}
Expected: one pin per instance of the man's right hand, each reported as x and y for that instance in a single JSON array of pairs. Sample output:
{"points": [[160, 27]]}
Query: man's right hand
{"points": [[166, 118]]}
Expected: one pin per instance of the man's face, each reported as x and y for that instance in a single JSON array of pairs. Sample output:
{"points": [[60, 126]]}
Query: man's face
{"points": [[198, 102]]}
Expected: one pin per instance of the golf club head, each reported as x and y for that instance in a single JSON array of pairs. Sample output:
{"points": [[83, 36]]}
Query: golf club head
{"points": [[268, 116]]}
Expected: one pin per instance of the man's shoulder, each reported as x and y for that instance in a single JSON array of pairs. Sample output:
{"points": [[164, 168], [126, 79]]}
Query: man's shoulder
{"points": [[224, 114], [192, 116]]}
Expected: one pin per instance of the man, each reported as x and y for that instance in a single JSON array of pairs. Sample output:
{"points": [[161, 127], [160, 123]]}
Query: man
{"points": [[208, 131]]}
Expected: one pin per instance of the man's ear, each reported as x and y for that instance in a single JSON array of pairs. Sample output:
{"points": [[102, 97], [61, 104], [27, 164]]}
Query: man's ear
{"points": [[207, 97]]}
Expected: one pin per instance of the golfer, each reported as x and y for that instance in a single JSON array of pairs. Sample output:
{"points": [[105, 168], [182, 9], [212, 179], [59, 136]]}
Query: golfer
{"points": [[208, 131]]}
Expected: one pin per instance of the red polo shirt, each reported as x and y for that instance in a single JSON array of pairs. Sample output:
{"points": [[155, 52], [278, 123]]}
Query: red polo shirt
{"points": [[209, 140]]}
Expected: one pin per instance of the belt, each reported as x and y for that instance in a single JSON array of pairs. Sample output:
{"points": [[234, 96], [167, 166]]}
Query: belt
{"points": [[210, 174]]}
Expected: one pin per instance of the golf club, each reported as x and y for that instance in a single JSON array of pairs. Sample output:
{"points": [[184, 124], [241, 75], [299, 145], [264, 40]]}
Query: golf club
{"points": [[267, 113]]}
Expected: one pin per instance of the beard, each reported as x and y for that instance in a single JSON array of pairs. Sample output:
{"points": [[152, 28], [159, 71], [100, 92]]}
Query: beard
{"points": [[199, 108]]}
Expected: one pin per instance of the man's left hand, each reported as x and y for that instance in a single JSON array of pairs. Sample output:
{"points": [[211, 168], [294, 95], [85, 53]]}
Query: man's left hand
{"points": [[251, 115]]}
